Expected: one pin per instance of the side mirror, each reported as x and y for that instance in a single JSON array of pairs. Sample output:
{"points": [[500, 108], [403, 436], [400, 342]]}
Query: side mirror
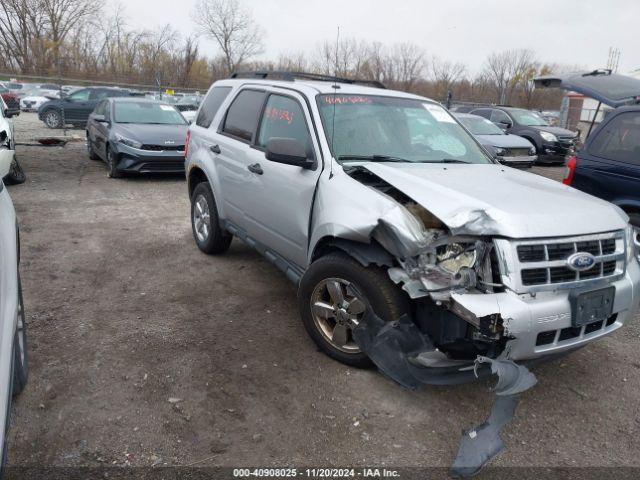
{"points": [[6, 157], [505, 125], [100, 118], [290, 152]]}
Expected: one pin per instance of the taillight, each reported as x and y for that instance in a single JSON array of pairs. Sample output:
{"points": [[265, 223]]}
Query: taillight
{"points": [[571, 170], [186, 143]]}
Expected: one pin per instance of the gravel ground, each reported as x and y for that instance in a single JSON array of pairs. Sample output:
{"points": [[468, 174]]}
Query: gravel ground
{"points": [[146, 352]]}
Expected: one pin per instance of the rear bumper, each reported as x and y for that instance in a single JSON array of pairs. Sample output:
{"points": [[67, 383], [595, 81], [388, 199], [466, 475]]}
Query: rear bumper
{"points": [[144, 161]]}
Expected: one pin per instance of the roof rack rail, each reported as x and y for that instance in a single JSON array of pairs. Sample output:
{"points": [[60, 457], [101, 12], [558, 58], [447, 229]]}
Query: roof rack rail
{"points": [[292, 76]]}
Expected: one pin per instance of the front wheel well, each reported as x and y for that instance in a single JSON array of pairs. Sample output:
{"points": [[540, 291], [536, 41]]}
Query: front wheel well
{"points": [[196, 176], [364, 253]]}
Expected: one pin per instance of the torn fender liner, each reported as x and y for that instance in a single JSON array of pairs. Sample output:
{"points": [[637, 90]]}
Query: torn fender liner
{"points": [[482, 443], [512, 378]]}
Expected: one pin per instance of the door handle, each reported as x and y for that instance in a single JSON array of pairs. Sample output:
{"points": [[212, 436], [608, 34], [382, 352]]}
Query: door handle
{"points": [[255, 168], [215, 149]]}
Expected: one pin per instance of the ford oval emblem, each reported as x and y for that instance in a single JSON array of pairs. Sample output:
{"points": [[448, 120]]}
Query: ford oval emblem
{"points": [[581, 261]]}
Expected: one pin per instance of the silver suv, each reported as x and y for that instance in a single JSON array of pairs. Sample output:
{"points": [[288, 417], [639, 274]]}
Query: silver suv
{"points": [[410, 247]]}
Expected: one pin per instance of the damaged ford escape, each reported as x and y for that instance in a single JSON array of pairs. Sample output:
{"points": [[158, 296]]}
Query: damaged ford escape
{"points": [[410, 247]]}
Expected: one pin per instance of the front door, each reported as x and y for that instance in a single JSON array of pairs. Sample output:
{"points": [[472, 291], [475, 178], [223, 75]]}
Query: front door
{"points": [[278, 209]]}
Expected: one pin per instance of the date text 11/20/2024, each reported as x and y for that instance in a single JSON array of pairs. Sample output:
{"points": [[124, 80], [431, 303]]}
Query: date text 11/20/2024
{"points": [[315, 473]]}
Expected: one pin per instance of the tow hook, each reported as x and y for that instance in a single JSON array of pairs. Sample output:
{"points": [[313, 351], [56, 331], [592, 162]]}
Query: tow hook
{"points": [[482, 443]]}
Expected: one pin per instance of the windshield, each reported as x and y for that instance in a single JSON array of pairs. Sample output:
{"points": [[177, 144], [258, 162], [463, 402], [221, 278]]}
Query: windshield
{"points": [[147, 112], [380, 128], [480, 126], [526, 117]]}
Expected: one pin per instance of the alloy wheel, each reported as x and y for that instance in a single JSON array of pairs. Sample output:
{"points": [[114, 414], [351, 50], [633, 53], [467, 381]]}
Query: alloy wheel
{"points": [[337, 307], [202, 218]]}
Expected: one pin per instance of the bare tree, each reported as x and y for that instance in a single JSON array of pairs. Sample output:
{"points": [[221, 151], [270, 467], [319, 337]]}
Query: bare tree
{"points": [[233, 29], [445, 74]]}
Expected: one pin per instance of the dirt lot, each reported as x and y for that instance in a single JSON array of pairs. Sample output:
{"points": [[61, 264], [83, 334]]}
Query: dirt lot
{"points": [[145, 351]]}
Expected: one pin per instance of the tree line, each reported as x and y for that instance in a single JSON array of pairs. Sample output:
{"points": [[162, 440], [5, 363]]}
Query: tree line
{"points": [[80, 39]]}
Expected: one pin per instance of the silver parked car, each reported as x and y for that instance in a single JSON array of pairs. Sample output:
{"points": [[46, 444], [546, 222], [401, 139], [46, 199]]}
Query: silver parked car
{"points": [[409, 245], [14, 363]]}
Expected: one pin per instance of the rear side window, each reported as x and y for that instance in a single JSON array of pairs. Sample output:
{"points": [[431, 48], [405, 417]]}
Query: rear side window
{"points": [[211, 105], [619, 139], [284, 118], [242, 116]]}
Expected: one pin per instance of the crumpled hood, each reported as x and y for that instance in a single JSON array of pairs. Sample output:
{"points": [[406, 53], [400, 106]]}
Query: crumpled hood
{"points": [[504, 141], [558, 131], [498, 200]]}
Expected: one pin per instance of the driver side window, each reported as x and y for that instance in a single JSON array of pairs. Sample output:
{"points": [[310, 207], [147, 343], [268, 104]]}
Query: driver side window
{"points": [[80, 96], [498, 116], [283, 117]]}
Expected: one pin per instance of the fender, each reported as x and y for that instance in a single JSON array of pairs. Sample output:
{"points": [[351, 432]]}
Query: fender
{"points": [[198, 158]]}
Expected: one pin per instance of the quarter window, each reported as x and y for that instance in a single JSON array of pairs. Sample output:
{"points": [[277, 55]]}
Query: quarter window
{"points": [[211, 105], [619, 139], [284, 118], [243, 114]]}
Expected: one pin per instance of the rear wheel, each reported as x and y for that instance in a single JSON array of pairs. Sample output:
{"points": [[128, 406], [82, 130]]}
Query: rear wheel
{"points": [[210, 237], [53, 119], [20, 350], [90, 150], [335, 293]]}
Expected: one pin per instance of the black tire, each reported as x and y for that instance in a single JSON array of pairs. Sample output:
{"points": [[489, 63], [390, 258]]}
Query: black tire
{"points": [[20, 349], [112, 165], [385, 298], [52, 118], [90, 150], [214, 240], [16, 174]]}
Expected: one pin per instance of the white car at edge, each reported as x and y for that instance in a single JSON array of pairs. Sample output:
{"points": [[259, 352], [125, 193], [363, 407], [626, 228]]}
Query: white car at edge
{"points": [[14, 364]]}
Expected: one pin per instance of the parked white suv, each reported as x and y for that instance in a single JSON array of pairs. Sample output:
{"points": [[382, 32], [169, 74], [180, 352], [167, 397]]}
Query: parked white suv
{"points": [[14, 363], [409, 245]]}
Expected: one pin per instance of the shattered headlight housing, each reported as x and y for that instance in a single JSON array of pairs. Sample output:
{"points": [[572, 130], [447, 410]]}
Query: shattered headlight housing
{"points": [[453, 257], [500, 152]]}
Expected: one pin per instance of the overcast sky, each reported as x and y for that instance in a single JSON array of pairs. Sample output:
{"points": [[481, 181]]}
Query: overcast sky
{"points": [[574, 32]]}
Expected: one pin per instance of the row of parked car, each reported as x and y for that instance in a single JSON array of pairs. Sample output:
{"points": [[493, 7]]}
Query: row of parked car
{"points": [[516, 136]]}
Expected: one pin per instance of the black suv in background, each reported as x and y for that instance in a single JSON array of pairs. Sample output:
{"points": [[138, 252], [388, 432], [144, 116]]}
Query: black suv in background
{"points": [[553, 144], [75, 109]]}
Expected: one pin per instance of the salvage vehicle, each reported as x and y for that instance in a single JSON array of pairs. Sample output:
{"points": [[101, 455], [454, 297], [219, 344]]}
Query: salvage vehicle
{"points": [[75, 108], [11, 102], [35, 98], [14, 360], [137, 135], [506, 148], [553, 144], [608, 166], [410, 247]]}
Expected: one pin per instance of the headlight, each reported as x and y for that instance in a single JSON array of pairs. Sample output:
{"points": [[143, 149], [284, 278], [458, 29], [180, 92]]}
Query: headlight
{"points": [[127, 141], [500, 151], [532, 151], [456, 256], [549, 137], [633, 243]]}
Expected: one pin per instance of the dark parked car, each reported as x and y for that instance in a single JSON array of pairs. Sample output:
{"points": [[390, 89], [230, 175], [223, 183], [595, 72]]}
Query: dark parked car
{"points": [[75, 108], [137, 135], [553, 144], [508, 149], [608, 166]]}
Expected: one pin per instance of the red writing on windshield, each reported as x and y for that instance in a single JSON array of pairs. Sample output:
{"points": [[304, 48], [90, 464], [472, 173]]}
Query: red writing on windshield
{"points": [[346, 100], [275, 114]]}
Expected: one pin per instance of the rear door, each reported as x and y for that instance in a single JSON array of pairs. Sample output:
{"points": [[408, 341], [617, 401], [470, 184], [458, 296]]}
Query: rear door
{"points": [[278, 209], [75, 106], [609, 165]]}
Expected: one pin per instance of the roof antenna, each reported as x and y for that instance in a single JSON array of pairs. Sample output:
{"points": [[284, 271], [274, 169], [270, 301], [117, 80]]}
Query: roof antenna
{"points": [[335, 89]]}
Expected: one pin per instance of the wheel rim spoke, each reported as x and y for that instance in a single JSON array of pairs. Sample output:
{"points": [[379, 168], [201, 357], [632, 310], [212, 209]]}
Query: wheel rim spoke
{"points": [[340, 335], [323, 310], [356, 307], [335, 292]]}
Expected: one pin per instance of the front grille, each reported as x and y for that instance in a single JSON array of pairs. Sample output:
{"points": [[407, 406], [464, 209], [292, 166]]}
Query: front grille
{"points": [[162, 166], [542, 264], [517, 152], [570, 333], [163, 148]]}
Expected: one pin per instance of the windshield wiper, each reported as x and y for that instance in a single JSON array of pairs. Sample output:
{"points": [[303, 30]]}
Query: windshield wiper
{"points": [[373, 158], [453, 160]]}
